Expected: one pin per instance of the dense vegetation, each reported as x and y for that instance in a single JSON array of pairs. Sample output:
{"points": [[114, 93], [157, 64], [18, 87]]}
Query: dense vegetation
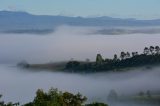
{"points": [[150, 56], [58, 98], [55, 98]]}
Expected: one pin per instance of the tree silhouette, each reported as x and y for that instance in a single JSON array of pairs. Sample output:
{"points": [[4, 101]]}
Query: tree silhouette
{"points": [[73, 100], [122, 55], [56, 98], [133, 54], [99, 59], [1, 102], [128, 55], [157, 49], [151, 48], [146, 51], [150, 56], [115, 57]]}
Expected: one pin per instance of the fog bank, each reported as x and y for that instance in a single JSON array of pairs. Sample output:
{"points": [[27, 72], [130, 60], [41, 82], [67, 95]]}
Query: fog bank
{"points": [[21, 85], [69, 42]]}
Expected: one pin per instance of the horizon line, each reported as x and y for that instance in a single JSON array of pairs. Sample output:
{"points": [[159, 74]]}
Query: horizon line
{"points": [[76, 16]]}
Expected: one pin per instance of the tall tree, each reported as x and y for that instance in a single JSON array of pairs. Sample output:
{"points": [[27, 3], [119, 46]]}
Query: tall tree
{"points": [[1, 102], [128, 55], [157, 49], [99, 59], [122, 55], [115, 57], [146, 51], [151, 48]]}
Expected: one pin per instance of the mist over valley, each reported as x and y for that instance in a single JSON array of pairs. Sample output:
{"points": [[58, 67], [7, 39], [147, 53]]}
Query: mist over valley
{"points": [[48, 39]]}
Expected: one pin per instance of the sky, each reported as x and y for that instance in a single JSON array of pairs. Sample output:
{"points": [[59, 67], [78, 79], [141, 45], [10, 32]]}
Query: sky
{"points": [[140, 9]]}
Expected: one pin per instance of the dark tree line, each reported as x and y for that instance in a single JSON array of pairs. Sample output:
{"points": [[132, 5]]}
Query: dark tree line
{"points": [[150, 55]]}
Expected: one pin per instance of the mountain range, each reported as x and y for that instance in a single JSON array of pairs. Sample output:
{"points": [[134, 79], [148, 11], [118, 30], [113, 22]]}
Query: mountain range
{"points": [[23, 22]]}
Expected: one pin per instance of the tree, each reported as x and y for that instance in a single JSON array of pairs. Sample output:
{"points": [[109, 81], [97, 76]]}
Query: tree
{"points": [[133, 54], [151, 48], [99, 59], [72, 64], [56, 98], [96, 104], [157, 49], [41, 98], [122, 55], [1, 102], [136, 53], [115, 57], [127, 55], [73, 100], [146, 51]]}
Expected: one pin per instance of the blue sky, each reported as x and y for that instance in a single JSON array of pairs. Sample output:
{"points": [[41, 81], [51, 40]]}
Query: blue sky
{"points": [[141, 9]]}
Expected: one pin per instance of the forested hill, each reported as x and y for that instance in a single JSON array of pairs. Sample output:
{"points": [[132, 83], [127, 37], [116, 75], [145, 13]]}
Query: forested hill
{"points": [[150, 56]]}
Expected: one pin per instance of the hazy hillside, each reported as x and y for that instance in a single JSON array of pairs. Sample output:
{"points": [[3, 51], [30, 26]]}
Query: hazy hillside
{"points": [[22, 22]]}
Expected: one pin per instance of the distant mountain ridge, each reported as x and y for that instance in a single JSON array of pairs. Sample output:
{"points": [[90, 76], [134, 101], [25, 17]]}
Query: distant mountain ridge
{"points": [[19, 22]]}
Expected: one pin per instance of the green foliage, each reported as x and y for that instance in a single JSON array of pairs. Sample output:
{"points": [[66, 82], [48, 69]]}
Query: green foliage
{"points": [[96, 104], [56, 98], [73, 100]]}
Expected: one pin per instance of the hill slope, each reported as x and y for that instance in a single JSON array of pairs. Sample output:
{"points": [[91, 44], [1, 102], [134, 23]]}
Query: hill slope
{"points": [[20, 22]]}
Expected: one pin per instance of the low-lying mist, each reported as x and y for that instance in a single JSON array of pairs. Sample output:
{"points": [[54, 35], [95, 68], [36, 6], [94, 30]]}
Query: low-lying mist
{"points": [[21, 85], [68, 42]]}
